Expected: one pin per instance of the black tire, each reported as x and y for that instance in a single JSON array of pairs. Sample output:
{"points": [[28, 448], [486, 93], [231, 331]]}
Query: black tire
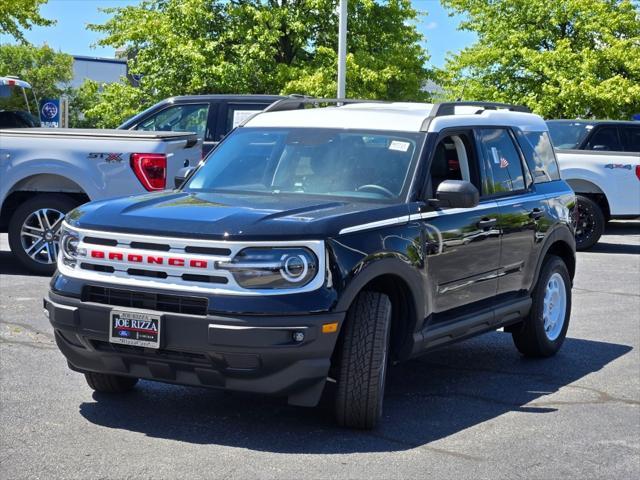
{"points": [[363, 357], [531, 339], [590, 223], [105, 383], [55, 202]]}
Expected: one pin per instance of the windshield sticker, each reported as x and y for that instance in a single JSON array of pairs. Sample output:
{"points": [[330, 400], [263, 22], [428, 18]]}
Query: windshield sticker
{"points": [[399, 146], [496, 155], [240, 116]]}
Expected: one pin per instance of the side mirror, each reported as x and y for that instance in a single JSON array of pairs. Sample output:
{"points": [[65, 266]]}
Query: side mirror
{"points": [[457, 194], [182, 176]]}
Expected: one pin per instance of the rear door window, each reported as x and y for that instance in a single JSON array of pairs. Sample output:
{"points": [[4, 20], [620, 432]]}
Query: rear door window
{"points": [[630, 137], [502, 170], [178, 118], [605, 139]]}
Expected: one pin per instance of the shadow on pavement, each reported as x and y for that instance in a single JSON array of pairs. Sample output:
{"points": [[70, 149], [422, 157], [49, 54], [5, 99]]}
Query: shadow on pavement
{"points": [[429, 398], [602, 247], [9, 265], [627, 227]]}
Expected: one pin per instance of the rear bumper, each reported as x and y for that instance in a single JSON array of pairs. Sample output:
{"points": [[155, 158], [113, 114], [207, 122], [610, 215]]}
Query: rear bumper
{"points": [[243, 353]]}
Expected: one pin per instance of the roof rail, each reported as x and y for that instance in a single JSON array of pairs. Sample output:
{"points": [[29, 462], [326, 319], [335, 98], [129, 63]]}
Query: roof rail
{"points": [[294, 102], [449, 108]]}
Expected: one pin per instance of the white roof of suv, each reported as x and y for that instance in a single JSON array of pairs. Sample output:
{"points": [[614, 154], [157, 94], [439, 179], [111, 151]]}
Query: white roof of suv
{"points": [[397, 116]]}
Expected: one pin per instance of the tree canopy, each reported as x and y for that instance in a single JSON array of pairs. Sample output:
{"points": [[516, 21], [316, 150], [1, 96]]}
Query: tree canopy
{"points": [[260, 46], [562, 58], [16, 15]]}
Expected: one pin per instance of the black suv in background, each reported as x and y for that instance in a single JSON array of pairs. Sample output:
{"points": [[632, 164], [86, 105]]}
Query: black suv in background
{"points": [[319, 245], [210, 116]]}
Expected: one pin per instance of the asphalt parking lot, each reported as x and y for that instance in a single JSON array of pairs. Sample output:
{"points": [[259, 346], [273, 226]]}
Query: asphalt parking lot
{"points": [[473, 410]]}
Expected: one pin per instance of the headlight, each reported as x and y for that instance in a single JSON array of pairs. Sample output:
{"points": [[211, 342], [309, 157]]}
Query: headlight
{"points": [[272, 267], [69, 241]]}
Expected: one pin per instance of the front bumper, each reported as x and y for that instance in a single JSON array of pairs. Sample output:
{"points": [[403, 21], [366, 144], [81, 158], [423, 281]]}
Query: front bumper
{"points": [[243, 353]]}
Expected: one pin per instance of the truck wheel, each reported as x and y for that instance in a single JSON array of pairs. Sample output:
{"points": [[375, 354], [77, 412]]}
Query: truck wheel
{"points": [[590, 224], [363, 361], [33, 231], [545, 328], [102, 382]]}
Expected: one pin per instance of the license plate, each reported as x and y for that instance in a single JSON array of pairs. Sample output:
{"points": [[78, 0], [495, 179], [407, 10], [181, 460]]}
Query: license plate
{"points": [[141, 329]]}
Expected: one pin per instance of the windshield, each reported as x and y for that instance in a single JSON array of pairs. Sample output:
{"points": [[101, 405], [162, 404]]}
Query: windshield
{"points": [[568, 135], [311, 161]]}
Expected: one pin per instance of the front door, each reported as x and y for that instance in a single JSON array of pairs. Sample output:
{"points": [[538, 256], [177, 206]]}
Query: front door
{"points": [[462, 245]]}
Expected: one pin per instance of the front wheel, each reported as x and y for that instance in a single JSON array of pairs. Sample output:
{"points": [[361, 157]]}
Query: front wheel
{"points": [[363, 356], [105, 383], [544, 330]]}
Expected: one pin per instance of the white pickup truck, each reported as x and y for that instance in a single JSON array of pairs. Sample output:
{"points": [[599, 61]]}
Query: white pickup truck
{"points": [[44, 173], [600, 160]]}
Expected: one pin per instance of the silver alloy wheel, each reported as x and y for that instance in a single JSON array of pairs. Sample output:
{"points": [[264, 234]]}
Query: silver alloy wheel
{"points": [[39, 235], [555, 306]]}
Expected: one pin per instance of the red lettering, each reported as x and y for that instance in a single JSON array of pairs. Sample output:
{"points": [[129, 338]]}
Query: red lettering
{"points": [[158, 260], [116, 256], [97, 254], [198, 263], [134, 258], [176, 262]]}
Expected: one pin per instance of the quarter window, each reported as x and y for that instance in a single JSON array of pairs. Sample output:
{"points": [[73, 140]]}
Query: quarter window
{"points": [[538, 151], [502, 167]]}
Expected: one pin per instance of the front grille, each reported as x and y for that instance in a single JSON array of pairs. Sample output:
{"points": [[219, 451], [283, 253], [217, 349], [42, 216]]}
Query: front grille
{"points": [[149, 301]]}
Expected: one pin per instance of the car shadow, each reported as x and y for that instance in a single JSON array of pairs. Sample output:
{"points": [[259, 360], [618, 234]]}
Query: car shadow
{"points": [[603, 247], [9, 265], [432, 397], [627, 227]]}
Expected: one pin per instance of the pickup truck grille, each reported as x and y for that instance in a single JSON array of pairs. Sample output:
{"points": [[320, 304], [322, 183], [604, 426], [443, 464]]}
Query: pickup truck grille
{"points": [[145, 300], [169, 264]]}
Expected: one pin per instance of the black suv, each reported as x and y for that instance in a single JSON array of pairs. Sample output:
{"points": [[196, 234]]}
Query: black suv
{"points": [[322, 244], [210, 116]]}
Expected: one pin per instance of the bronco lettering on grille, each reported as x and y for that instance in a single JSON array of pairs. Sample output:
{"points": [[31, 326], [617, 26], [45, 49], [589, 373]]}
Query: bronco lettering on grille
{"points": [[149, 259]]}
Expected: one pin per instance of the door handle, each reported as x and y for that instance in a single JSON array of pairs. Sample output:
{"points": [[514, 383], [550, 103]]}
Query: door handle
{"points": [[536, 213], [487, 223]]}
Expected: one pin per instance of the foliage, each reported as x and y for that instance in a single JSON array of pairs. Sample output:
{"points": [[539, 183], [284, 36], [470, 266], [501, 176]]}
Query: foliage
{"points": [[182, 47], [21, 14], [564, 58], [46, 70]]}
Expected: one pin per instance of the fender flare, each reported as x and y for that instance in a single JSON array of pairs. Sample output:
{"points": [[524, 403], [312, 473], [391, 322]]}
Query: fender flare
{"points": [[562, 233], [390, 265]]}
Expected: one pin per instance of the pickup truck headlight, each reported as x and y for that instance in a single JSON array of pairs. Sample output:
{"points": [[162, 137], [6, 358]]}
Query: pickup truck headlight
{"points": [[265, 268], [69, 241]]}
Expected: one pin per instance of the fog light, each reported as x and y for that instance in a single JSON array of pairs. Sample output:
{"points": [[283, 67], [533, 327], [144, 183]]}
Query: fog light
{"points": [[298, 336]]}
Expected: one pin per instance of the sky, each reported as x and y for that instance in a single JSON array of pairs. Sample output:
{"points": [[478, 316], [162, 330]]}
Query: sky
{"points": [[71, 36]]}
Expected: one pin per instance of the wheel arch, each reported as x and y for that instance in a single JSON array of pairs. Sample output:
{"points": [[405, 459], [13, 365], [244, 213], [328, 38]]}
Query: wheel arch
{"points": [[592, 190], [561, 243], [402, 283]]}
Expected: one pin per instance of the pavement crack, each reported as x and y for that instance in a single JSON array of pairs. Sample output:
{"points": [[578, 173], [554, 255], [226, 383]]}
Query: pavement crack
{"points": [[425, 447], [623, 294], [38, 345], [27, 327]]}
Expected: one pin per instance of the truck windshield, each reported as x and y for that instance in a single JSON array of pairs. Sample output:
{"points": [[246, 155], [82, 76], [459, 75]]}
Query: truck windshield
{"points": [[568, 135], [311, 161]]}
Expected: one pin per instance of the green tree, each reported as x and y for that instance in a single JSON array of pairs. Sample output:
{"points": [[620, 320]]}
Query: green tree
{"points": [[48, 71], [562, 58], [16, 15], [260, 46]]}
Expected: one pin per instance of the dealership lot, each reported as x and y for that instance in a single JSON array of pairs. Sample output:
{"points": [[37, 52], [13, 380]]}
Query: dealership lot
{"points": [[472, 410]]}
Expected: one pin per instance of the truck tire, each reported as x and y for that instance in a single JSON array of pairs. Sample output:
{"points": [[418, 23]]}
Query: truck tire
{"points": [[363, 361], [104, 383], [590, 223], [545, 328], [33, 230]]}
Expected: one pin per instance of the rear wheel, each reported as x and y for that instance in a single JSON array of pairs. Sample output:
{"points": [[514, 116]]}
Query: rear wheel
{"points": [[543, 332], [105, 383], [364, 356], [590, 224], [34, 231]]}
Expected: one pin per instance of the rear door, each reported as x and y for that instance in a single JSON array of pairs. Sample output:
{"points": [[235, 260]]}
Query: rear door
{"points": [[507, 181], [630, 137]]}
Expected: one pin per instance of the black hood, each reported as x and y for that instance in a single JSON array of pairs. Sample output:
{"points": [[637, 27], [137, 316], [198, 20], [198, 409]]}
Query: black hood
{"points": [[230, 216]]}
